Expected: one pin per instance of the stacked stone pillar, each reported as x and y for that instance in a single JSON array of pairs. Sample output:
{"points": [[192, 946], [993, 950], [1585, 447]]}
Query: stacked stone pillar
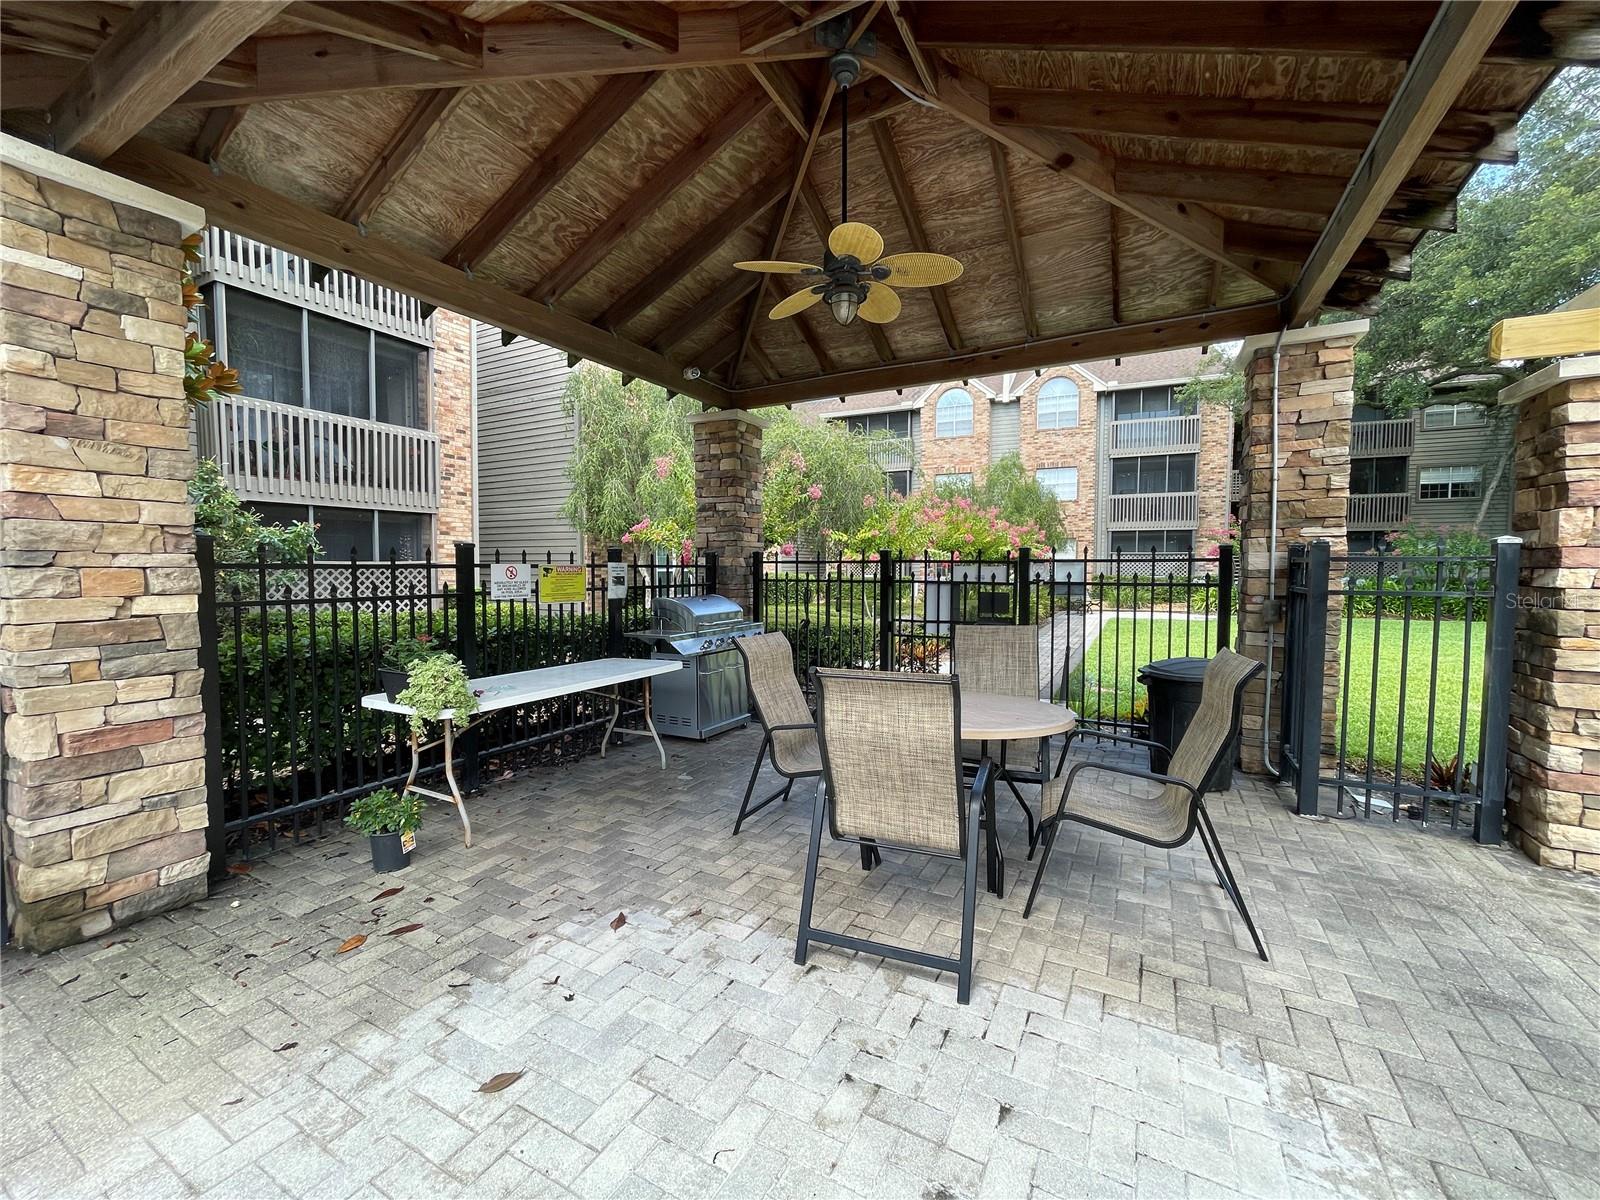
{"points": [[727, 495], [1553, 801], [1316, 397], [105, 797]]}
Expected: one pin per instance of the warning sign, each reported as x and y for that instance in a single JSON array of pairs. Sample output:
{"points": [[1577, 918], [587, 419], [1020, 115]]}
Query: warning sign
{"points": [[510, 581], [562, 584]]}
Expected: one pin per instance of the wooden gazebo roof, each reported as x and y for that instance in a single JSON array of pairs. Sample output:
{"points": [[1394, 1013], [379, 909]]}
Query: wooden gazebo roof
{"points": [[1115, 177]]}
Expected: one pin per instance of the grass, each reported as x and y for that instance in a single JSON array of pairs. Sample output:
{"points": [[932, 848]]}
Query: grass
{"points": [[1379, 709], [1105, 683]]}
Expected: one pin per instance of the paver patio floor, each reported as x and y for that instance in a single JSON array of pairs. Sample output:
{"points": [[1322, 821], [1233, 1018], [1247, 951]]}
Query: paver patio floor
{"points": [[1427, 1024]]}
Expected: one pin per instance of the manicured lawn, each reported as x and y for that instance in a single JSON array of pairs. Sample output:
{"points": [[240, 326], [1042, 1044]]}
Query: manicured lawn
{"points": [[1105, 684], [1379, 710]]}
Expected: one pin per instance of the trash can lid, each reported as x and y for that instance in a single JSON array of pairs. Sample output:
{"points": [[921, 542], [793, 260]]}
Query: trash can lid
{"points": [[1175, 670]]}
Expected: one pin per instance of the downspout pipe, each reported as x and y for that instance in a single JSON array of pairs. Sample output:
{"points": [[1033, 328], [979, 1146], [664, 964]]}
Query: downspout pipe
{"points": [[1272, 563]]}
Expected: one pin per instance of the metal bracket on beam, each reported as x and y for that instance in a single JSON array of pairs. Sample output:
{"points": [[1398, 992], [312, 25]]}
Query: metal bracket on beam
{"points": [[508, 336]]}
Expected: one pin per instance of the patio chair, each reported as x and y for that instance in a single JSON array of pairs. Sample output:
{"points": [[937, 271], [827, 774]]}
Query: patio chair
{"points": [[892, 779], [1003, 660], [788, 730], [1177, 810]]}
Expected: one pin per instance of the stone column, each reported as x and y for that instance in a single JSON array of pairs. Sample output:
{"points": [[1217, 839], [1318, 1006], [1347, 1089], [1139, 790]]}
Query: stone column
{"points": [[105, 797], [1553, 801], [727, 495], [1316, 382]]}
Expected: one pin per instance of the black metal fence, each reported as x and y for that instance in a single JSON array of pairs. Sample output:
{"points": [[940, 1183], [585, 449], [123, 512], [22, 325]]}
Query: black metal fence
{"points": [[1100, 620], [1418, 729], [289, 649]]}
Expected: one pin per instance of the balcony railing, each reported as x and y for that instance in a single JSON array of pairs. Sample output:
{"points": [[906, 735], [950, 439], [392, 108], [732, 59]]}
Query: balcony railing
{"points": [[1381, 437], [1152, 510], [245, 262], [281, 454], [1377, 510], [1156, 435]]}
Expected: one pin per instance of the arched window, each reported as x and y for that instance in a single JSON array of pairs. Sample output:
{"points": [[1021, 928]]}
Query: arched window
{"points": [[1058, 404], [953, 417]]}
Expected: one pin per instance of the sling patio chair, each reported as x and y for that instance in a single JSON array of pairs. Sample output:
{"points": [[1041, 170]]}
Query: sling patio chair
{"points": [[892, 779], [1004, 660], [1173, 811], [789, 731]]}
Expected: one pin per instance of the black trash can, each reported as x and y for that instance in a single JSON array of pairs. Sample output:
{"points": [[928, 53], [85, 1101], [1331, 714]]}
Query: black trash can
{"points": [[1174, 686]]}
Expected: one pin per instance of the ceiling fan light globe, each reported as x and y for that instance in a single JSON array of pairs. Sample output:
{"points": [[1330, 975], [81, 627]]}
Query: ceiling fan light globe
{"points": [[844, 306]]}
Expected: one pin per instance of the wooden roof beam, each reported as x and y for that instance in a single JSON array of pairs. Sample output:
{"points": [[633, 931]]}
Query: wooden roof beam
{"points": [[220, 125], [787, 95], [1008, 213], [966, 97], [764, 25], [1315, 125], [151, 58], [646, 24], [404, 145], [550, 166], [908, 36], [414, 29], [1391, 260], [1113, 243], [730, 291], [1138, 338], [652, 195], [270, 217], [700, 245], [802, 325], [76, 31], [906, 201], [1450, 52]]}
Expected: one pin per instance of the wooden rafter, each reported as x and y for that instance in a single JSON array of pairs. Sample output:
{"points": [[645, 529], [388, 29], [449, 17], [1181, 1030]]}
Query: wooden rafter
{"points": [[819, 220], [703, 242], [772, 293], [376, 182], [414, 29], [290, 68], [1008, 213], [76, 31], [652, 195], [731, 290], [215, 130], [763, 363], [260, 213], [966, 97], [1454, 46], [1286, 245], [1138, 338], [906, 201], [647, 24], [1113, 241], [787, 94], [603, 110], [765, 25], [908, 36], [1315, 125], [151, 58]]}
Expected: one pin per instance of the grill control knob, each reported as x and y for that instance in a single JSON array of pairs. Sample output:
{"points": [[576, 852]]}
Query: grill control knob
{"points": [[708, 644]]}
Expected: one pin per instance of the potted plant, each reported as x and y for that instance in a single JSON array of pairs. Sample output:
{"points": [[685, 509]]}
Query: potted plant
{"points": [[438, 683], [394, 668], [390, 822]]}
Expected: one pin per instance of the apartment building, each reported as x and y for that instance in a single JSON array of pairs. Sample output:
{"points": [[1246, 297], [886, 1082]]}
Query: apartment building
{"points": [[1446, 465], [1133, 468], [356, 409]]}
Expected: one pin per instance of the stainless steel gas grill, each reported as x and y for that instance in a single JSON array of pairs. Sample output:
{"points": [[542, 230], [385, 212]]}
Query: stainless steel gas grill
{"points": [[711, 694]]}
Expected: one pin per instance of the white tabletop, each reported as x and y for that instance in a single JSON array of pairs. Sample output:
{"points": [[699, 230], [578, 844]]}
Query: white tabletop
{"points": [[545, 683], [991, 717]]}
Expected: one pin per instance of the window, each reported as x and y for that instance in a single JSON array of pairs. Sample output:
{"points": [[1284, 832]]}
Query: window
{"points": [[1152, 473], [342, 531], [402, 382], [954, 479], [1063, 481], [1372, 476], [1145, 402], [897, 424], [406, 534], [1162, 541], [340, 382], [264, 347], [1449, 483], [953, 416], [898, 482], [1452, 416], [1058, 405]]}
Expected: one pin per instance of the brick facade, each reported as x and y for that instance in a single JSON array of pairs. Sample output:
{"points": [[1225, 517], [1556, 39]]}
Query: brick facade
{"points": [[1553, 805], [452, 421], [727, 495], [105, 799], [1316, 385]]}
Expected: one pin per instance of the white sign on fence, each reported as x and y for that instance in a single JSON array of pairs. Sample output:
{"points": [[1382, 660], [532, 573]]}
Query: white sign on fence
{"points": [[510, 581], [616, 581]]}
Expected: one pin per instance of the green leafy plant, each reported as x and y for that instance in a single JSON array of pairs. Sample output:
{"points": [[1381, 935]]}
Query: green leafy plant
{"points": [[385, 811], [240, 534], [204, 378], [406, 652], [436, 683]]}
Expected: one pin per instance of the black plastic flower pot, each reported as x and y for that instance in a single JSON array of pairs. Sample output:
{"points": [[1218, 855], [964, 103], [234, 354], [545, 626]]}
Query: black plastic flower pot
{"points": [[388, 854], [394, 682]]}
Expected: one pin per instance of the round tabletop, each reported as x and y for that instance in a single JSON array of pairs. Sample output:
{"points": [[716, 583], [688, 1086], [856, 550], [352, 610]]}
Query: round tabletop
{"points": [[991, 717]]}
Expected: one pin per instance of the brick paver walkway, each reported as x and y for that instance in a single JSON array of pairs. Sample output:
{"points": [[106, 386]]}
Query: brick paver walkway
{"points": [[1427, 1025]]}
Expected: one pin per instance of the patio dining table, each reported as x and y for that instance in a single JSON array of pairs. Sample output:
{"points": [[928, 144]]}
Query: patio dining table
{"points": [[991, 717]]}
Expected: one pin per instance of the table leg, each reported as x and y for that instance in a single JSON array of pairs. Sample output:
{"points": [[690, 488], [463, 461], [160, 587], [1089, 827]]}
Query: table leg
{"points": [[649, 723], [416, 761], [997, 854], [616, 711], [450, 778]]}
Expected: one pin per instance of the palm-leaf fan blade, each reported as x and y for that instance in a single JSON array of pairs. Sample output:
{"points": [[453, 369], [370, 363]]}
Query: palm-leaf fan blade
{"points": [[881, 305], [769, 266], [855, 240], [920, 269], [790, 305]]}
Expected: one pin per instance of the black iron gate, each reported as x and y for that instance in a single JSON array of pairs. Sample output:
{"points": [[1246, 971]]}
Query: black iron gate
{"points": [[1421, 685]]}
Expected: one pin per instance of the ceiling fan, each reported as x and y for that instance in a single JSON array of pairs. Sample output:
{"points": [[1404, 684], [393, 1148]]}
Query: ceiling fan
{"points": [[855, 274]]}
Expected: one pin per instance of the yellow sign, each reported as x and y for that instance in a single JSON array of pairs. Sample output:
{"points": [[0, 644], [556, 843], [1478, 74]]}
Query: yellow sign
{"points": [[562, 584]]}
